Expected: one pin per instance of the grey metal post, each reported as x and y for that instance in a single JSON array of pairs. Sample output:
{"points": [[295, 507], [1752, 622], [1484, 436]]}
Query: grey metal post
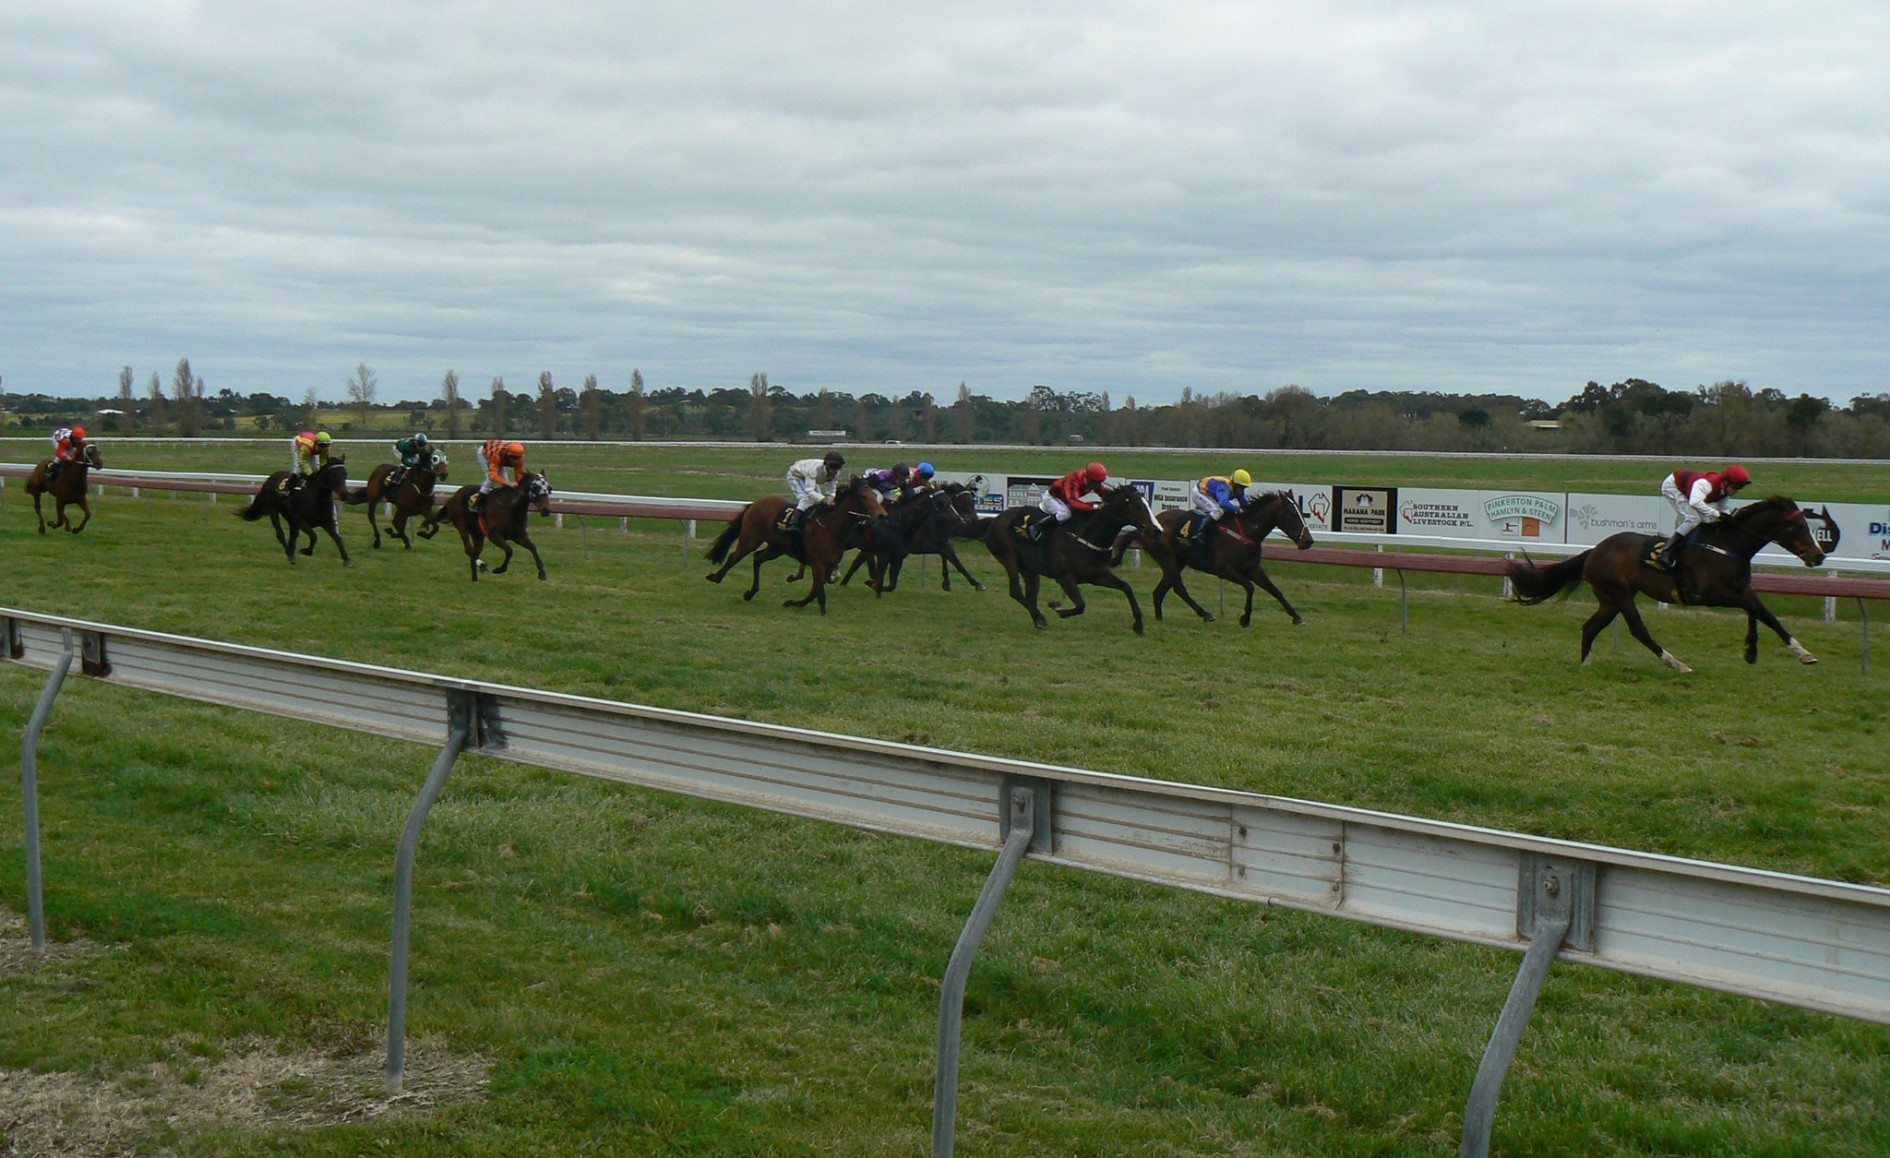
{"points": [[951, 1001], [688, 536], [29, 792], [459, 734], [1865, 612], [1556, 892], [1404, 601]]}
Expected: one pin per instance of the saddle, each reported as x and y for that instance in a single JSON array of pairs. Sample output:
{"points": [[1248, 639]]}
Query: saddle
{"points": [[1034, 527]]}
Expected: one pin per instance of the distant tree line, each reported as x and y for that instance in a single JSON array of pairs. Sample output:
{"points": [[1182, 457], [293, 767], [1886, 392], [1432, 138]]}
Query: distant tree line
{"points": [[1632, 417]]}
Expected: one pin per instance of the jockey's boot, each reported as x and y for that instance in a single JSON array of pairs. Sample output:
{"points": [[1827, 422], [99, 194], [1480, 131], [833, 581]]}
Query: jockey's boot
{"points": [[1669, 558], [1040, 528]]}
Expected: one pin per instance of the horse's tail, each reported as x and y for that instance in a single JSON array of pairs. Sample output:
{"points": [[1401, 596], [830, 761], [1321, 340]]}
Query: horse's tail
{"points": [[255, 510], [356, 496], [718, 550], [1534, 583]]}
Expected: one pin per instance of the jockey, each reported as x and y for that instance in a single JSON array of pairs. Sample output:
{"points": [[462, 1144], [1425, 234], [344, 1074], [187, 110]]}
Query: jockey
{"points": [[304, 449], [1066, 495], [495, 457], [414, 450], [68, 446], [913, 480], [1214, 496], [814, 481], [1698, 497], [884, 480]]}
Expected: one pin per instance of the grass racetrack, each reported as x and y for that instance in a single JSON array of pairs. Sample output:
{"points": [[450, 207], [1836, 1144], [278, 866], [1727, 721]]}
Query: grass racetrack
{"points": [[599, 969]]}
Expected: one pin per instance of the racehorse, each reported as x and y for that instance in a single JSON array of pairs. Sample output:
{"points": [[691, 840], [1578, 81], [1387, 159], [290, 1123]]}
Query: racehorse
{"points": [[1230, 549], [1714, 571], [818, 545], [503, 516], [305, 508], [412, 497], [68, 486], [1077, 552], [923, 525]]}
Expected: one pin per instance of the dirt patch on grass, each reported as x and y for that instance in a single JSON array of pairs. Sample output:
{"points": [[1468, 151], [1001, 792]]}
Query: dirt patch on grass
{"points": [[251, 1084], [254, 1086], [16, 946]]}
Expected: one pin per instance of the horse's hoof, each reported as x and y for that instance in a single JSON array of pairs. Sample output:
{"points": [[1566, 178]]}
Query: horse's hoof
{"points": [[1298, 621], [1673, 663], [713, 578], [1807, 659], [1205, 618], [977, 587], [1138, 629], [347, 562], [748, 596]]}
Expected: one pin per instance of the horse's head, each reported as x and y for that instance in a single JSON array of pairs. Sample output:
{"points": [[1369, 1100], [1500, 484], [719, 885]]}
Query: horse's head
{"points": [[537, 493], [436, 462], [859, 493], [1126, 502], [334, 477], [1783, 523], [92, 455], [1276, 509]]}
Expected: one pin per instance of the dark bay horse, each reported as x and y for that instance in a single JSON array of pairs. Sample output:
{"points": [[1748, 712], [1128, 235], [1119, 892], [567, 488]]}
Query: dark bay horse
{"points": [[925, 524], [412, 497], [1076, 552], [818, 545], [1229, 549], [305, 509], [67, 486], [503, 517], [1714, 571]]}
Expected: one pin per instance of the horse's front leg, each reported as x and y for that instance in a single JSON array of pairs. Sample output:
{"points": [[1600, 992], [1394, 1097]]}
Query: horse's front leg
{"points": [[525, 540], [85, 507], [1111, 579], [335, 534], [1757, 613], [504, 545], [473, 542], [763, 553], [1171, 575], [1266, 584], [949, 555], [396, 526], [820, 567]]}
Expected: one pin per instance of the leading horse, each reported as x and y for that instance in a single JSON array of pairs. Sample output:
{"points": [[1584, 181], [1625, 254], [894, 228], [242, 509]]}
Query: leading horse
{"points": [[411, 496], [1230, 549], [66, 486], [817, 545], [503, 517], [304, 508], [1714, 571], [1078, 552]]}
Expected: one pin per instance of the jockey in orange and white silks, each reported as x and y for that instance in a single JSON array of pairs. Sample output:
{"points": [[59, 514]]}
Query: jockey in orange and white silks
{"points": [[496, 456], [815, 480], [1699, 497], [305, 448]]}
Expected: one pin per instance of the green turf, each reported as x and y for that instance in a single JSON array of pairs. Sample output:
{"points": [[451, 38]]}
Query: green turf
{"points": [[654, 975]]}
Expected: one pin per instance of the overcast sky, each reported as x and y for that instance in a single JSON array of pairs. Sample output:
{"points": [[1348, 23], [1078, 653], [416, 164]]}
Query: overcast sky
{"points": [[1506, 195]]}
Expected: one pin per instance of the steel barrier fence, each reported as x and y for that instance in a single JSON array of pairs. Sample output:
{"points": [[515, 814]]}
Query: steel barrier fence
{"points": [[1819, 944]]}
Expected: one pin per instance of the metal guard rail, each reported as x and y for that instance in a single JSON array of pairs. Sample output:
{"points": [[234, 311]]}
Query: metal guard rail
{"points": [[1819, 944]]}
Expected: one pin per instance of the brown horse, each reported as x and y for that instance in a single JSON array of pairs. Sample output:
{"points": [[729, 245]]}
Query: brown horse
{"points": [[818, 544], [67, 486], [1229, 549], [503, 517], [304, 508], [1714, 571], [1077, 552], [412, 497]]}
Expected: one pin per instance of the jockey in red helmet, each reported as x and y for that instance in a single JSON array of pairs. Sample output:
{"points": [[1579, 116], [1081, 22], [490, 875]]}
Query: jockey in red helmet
{"points": [[1065, 496], [1698, 497]]}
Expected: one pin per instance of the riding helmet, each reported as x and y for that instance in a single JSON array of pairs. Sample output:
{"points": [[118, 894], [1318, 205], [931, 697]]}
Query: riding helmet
{"points": [[1736, 475], [1096, 471], [419, 439], [323, 439], [925, 470], [1240, 478], [834, 461], [78, 432]]}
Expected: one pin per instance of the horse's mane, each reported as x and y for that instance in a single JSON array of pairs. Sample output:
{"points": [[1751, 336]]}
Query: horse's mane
{"points": [[1776, 504], [1265, 497]]}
